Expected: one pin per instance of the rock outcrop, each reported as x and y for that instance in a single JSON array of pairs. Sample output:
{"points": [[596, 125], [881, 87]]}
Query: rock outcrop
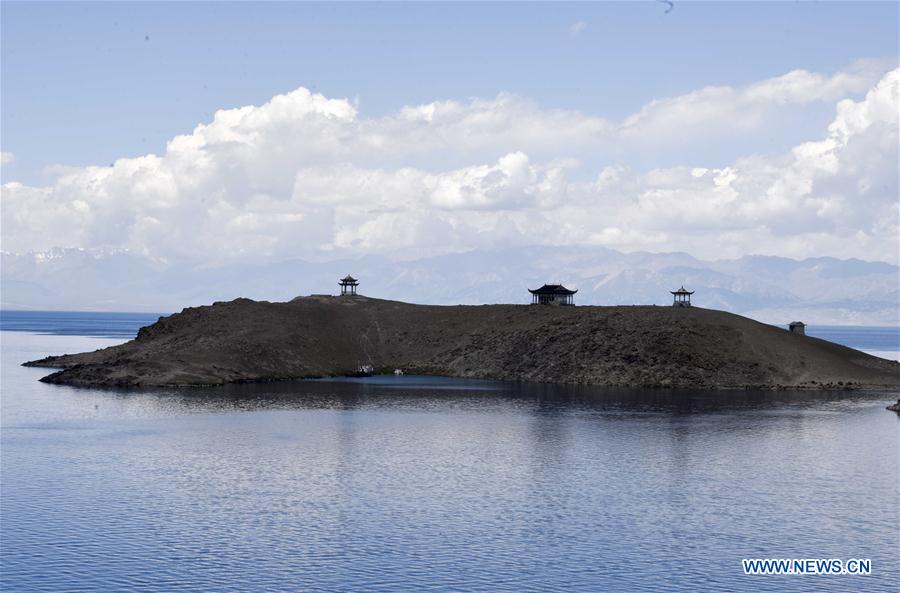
{"points": [[246, 340]]}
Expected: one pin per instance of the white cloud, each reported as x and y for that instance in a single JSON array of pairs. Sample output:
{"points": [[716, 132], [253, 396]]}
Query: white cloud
{"points": [[745, 108], [6, 158], [577, 27], [306, 176], [837, 196]]}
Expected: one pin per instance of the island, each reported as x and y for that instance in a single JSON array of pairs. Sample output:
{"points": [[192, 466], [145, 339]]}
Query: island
{"points": [[315, 336]]}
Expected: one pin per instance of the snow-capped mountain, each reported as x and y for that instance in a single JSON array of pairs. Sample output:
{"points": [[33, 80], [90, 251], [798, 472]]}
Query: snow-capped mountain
{"points": [[772, 289]]}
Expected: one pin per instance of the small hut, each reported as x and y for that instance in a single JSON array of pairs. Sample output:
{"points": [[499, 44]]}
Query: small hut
{"points": [[797, 327], [682, 297], [552, 294], [348, 285]]}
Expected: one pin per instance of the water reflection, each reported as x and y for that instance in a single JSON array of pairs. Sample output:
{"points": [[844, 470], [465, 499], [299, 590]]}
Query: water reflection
{"points": [[448, 394]]}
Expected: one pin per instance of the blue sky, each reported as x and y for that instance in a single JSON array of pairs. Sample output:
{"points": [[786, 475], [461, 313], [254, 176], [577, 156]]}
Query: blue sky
{"points": [[265, 130], [82, 84]]}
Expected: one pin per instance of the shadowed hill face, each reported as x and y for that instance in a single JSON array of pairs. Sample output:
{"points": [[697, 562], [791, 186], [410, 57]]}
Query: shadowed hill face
{"points": [[246, 340]]}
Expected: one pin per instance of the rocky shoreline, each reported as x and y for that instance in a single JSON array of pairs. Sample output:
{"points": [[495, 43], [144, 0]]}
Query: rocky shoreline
{"points": [[647, 346]]}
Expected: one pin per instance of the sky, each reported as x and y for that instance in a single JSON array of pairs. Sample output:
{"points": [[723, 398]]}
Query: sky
{"points": [[233, 131]]}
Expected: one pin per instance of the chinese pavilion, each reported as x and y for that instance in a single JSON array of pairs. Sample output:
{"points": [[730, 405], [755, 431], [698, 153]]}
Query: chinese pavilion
{"points": [[552, 294], [682, 297], [348, 285]]}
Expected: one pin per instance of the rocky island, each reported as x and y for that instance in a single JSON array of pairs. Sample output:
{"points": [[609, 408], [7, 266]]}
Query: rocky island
{"points": [[651, 346]]}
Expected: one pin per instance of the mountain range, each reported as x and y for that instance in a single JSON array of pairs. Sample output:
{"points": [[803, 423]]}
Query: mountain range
{"points": [[820, 291]]}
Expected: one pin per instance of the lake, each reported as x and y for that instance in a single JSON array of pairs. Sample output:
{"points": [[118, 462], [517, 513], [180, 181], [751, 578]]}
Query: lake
{"points": [[431, 484]]}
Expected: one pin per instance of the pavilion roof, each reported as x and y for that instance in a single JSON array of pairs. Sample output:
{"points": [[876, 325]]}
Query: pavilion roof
{"points": [[349, 279], [682, 291], [555, 289]]}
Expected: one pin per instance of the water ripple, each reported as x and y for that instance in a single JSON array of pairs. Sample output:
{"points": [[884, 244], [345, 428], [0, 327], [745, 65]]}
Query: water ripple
{"points": [[349, 486]]}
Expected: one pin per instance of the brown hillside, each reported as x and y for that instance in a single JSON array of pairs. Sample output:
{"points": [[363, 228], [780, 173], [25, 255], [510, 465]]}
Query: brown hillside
{"points": [[245, 340]]}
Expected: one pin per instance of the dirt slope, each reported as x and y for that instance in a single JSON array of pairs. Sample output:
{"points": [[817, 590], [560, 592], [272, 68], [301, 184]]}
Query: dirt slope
{"points": [[246, 340]]}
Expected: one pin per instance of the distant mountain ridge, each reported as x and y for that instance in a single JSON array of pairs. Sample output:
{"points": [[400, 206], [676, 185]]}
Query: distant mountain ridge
{"points": [[821, 290]]}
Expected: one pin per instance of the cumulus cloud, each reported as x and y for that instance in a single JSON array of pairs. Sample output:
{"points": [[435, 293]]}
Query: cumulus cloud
{"points": [[6, 158], [306, 176], [838, 195]]}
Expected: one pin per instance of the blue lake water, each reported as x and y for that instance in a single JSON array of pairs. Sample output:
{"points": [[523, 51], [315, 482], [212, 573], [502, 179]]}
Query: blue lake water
{"points": [[77, 323], [428, 484]]}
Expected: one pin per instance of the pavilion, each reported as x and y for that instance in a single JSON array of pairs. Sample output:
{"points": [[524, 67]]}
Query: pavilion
{"points": [[348, 285], [552, 294], [682, 297]]}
